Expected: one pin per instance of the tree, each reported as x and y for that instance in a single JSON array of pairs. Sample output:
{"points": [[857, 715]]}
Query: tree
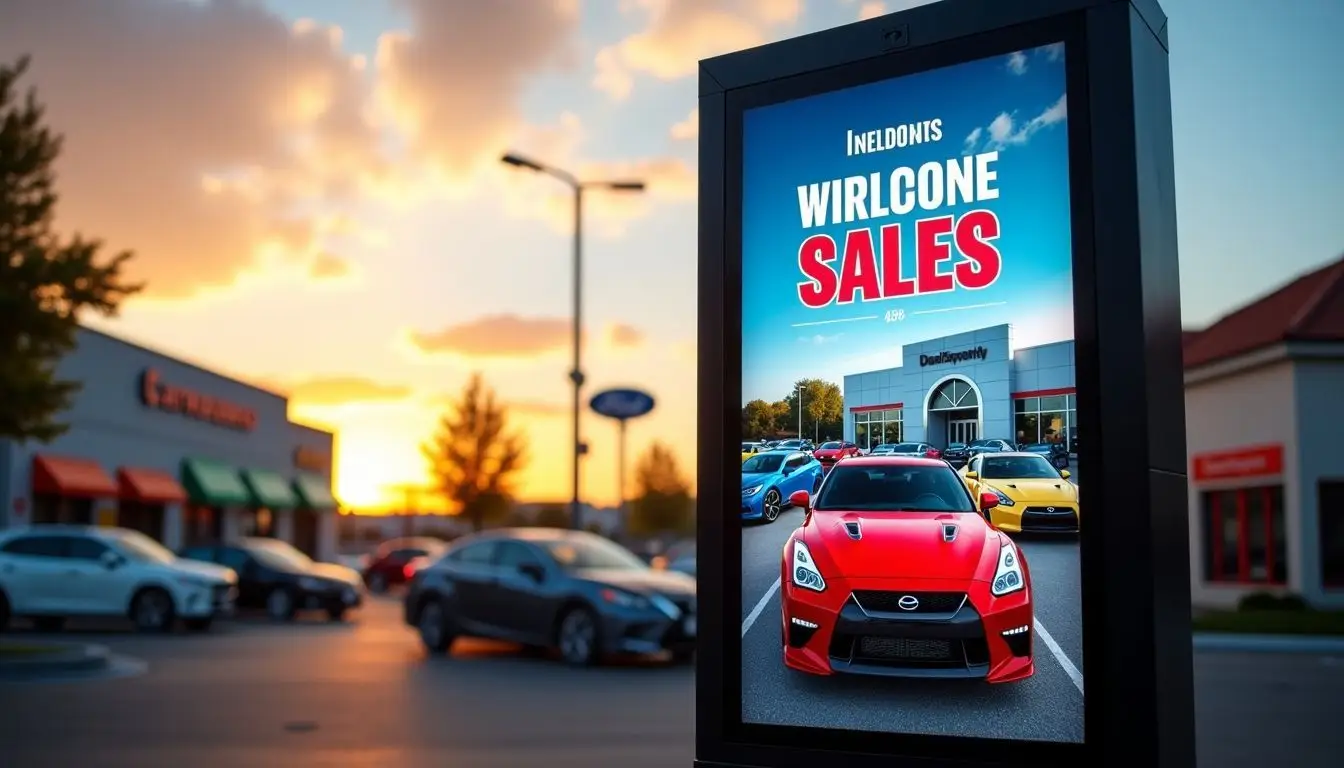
{"points": [[761, 419], [46, 281], [474, 457], [662, 500], [823, 408]]}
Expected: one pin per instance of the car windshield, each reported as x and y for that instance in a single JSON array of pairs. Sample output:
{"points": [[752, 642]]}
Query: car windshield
{"points": [[893, 488], [138, 546], [1018, 468], [278, 554], [829, 446], [789, 444], [981, 443], [1037, 447], [905, 448], [576, 554], [762, 463], [956, 446], [748, 446]]}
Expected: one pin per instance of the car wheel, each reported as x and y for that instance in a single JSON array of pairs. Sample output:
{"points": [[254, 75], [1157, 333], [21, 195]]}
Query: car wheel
{"points": [[578, 638], [280, 604], [152, 611], [199, 624], [336, 614], [771, 505], [4, 612], [435, 632], [377, 583]]}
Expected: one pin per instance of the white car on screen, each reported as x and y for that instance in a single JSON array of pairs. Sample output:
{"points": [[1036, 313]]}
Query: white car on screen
{"points": [[50, 573]]}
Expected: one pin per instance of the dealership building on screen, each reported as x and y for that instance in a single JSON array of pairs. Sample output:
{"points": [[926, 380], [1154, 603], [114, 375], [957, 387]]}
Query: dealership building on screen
{"points": [[963, 387]]}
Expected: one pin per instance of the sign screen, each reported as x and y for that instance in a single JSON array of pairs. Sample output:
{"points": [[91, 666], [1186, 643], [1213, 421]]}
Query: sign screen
{"points": [[907, 289]]}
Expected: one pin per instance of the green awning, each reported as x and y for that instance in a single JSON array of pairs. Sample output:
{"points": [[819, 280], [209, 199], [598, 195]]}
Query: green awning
{"points": [[315, 492], [270, 490], [214, 484]]}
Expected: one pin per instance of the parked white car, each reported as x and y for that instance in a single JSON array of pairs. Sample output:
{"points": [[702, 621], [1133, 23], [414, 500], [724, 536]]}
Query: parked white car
{"points": [[53, 572]]}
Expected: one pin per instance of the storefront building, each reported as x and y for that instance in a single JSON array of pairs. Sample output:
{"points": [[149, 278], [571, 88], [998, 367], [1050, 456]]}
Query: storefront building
{"points": [[1265, 426], [964, 387], [175, 451]]}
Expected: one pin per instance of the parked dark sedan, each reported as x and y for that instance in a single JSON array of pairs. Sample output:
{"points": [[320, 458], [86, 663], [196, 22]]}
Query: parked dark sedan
{"points": [[391, 562], [555, 589], [1057, 453], [956, 454], [272, 574]]}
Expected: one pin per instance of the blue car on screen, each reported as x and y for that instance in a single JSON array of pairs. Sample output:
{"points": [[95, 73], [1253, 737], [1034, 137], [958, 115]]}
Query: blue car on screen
{"points": [[769, 478]]}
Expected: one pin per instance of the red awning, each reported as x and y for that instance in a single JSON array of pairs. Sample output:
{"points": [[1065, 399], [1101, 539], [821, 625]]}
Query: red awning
{"points": [[71, 477], [150, 486]]}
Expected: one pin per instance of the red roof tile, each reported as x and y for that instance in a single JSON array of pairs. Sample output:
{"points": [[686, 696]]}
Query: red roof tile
{"points": [[1310, 308]]}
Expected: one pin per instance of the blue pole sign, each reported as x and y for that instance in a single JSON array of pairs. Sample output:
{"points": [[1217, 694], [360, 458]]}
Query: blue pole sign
{"points": [[622, 404]]}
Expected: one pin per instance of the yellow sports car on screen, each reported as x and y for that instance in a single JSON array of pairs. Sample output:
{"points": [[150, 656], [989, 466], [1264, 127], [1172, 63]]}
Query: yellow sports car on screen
{"points": [[1034, 497], [751, 449]]}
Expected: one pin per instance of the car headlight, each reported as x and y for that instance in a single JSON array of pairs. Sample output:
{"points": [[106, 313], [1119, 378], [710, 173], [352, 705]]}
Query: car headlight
{"points": [[1008, 576], [313, 585], [1004, 501], [752, 491], [805, 573], [624, 599]]}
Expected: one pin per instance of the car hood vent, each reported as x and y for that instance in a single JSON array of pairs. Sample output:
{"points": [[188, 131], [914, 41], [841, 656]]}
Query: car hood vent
{"points": [[949, 532], [852, 528]]}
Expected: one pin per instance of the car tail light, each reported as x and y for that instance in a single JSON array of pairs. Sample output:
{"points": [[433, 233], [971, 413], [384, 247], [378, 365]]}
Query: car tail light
{"points": [[408, 570]]}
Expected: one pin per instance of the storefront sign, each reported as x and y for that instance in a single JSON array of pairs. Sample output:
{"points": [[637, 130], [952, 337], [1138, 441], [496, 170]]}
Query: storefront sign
{"points": [[974, 353], [1258, 461], [311, 459], [165, 397]]}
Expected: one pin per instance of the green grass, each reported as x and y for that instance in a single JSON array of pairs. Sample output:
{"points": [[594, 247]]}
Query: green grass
{"points": [[1272, 622]]}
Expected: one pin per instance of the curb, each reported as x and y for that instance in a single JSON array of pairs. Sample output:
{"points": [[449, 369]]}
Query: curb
{"points": [[1235, 643], [71, 657]]}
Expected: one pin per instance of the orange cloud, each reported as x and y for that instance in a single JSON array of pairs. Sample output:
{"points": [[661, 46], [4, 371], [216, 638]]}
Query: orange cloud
{"points": [[453, 86], [326, 266], [622, 335], [681, 32], [195, 130], [498, 336], [343, 390]]}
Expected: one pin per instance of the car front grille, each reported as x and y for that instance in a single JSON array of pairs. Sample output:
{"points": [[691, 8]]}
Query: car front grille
{"points": [[929, 602], [930, 653], [1049, 519]]}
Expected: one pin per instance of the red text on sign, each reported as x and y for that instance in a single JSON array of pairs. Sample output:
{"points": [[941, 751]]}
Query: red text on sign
{"points": [[872, 269]]}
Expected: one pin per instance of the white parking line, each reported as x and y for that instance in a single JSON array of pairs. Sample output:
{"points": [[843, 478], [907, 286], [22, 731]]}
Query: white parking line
{"points": [[760, 606], [1058, 653], [1055, 650]]}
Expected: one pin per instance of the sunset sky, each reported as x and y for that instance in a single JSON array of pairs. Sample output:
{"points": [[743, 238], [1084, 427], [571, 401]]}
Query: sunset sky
{"points": [[314, 194]]}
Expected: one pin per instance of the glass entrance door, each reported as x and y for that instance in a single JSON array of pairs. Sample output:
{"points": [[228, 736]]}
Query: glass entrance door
{"points": [[961, 431]]}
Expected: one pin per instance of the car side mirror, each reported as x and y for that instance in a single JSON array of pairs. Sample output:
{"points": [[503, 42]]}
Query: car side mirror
{"points": [[112, 561], [533, 571], [973, 476], [1066, 474], [988, 501], [801, 500]]}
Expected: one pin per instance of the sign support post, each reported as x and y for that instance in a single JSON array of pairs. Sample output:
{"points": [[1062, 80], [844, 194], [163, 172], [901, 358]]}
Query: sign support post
{"points": [[622, 405]]}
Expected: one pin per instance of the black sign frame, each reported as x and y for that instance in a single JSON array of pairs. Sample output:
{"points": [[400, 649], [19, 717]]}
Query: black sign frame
{"points": [[1135, 558]]}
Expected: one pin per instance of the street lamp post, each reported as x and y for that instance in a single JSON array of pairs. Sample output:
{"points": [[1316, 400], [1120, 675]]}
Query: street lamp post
{"points": [[576, 373]]}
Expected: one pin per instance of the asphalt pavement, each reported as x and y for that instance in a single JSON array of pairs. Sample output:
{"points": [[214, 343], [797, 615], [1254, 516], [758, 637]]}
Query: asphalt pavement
{"points": [[1046, 707], [355, 695]]}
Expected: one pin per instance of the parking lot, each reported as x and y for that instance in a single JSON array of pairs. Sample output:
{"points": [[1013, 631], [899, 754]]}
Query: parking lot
{"points": [[1046, 707], [359, 694]]}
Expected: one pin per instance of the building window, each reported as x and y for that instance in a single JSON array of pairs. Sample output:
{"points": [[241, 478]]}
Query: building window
{"points": [[1330, 514], [1245, 539], [873, 428], [1051, 419]]}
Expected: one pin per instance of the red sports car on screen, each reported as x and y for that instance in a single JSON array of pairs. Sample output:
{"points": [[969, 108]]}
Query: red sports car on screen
{"points": [[832, 451], [896, 571]]}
